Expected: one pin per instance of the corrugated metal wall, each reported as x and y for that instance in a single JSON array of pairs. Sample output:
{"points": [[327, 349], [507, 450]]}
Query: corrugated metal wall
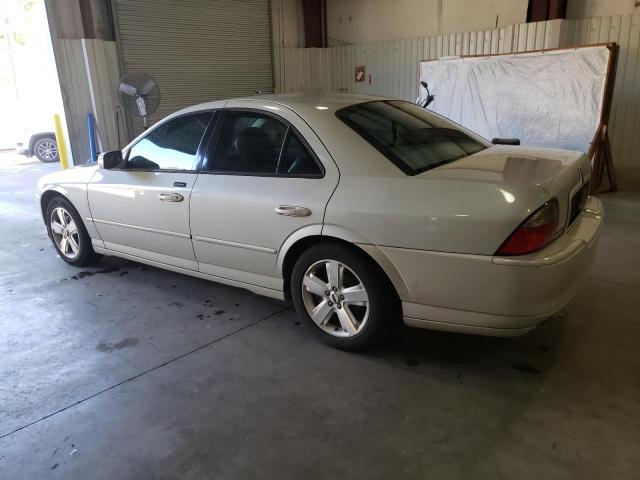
{"points": [[196, 51], [393, 65]]}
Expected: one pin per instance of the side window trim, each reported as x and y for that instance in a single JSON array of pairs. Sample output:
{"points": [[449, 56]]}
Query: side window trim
{"points": [[291, 130], [202, 156], [293, 133], [199, 153], [283, 148], [215, 130]]}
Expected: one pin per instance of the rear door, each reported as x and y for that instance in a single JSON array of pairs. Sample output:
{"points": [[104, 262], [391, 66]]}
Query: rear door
{"points": [[143, 208], [269, 176]]}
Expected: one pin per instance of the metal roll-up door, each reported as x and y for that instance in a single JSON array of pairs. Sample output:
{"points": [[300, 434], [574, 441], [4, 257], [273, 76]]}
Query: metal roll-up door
{"points": [[196, 50]]}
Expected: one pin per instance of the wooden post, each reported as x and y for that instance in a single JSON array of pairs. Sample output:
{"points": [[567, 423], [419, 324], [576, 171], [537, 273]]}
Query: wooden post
{"points": [[601, 159], [600, 151], [611, 173]]}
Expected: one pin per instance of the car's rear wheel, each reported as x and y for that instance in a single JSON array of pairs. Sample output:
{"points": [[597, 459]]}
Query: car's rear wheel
{"points": [[343, 295], [68, 233], [46, 150]]}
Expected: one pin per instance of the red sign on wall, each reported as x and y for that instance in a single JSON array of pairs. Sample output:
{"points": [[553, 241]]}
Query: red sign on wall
{"points": [[360, 73]]}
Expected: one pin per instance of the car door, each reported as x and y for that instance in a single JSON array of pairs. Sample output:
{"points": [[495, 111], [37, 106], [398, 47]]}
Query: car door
{"points": [[268, 176], [142, 209]]}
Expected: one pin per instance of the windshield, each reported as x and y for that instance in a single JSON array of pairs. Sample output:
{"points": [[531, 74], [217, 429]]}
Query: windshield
{"points": [[414, 139]]}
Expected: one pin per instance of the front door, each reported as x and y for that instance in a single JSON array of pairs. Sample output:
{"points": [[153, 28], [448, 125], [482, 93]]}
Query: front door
{"points": [[143, 209], [269, 176]]}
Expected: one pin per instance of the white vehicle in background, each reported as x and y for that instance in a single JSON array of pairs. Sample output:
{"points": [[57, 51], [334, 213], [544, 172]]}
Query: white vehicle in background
{"points": [[359, 209], [40, 144]]}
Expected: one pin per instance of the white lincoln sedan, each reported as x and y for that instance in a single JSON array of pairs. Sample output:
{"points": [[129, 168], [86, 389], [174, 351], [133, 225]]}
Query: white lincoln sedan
{"points": [[360, 209]]}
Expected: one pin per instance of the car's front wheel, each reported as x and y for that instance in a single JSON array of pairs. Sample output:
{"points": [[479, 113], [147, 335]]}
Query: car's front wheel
{"points": [[68, 234], [344, 296], [46, 150]]}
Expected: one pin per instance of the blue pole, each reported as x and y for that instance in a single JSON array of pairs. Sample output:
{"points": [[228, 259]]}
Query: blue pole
{"points": [[92, 137]]}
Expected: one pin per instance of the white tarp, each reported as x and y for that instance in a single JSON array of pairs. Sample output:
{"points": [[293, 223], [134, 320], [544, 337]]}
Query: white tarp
{"points": [[547, 99]]}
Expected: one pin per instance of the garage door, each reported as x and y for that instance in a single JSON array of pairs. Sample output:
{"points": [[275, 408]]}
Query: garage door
{"points": [[196, 50]]}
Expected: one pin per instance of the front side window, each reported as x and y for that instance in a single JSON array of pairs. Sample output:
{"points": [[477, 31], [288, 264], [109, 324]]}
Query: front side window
{"points": [[250, 143], [412, 138], [171, 146]]}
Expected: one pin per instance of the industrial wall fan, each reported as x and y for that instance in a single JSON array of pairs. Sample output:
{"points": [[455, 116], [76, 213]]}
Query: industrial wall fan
{"points": [[139, 95]]}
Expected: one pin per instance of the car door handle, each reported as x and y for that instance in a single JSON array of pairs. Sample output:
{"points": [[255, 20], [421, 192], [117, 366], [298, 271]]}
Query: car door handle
{"points": [[170, 197], [291, 211]]}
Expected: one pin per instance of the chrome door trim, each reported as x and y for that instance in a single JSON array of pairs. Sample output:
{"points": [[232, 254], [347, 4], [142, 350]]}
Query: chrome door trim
{"points": [[292, 211], [144, 229], [229, 243], [170, 197]]}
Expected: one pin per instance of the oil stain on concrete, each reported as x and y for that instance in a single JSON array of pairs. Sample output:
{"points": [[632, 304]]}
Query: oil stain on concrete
{"points": [[110, 347]]}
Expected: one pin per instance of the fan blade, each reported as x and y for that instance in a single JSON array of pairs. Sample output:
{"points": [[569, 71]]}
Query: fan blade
{"points": [[147, 87], [128, 89], [142, 106]]}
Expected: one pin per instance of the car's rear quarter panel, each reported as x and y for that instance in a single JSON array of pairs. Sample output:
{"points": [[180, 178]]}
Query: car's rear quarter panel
{"points": [[443, 216]]}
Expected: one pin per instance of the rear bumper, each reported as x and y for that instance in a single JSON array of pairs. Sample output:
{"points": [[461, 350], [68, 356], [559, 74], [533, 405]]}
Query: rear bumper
{"points": [[498, 296]]}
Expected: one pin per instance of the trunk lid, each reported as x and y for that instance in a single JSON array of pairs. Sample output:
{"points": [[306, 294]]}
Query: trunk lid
{"points": [[561, 174]]}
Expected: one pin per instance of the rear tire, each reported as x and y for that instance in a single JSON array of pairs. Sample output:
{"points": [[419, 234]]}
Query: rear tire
{"points": [[68, 233], [343, 295]]}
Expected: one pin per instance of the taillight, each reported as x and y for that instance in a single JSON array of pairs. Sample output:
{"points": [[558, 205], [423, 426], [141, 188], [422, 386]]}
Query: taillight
{"points": [[535, 233]]}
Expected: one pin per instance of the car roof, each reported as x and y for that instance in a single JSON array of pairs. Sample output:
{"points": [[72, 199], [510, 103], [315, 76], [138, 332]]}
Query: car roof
{"points": [[309, 106], [334, 101], [351, 153], [305, 104]]}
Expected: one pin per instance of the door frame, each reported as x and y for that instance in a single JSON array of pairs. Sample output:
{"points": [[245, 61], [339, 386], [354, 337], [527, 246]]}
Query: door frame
{"points": [[201, 153]]}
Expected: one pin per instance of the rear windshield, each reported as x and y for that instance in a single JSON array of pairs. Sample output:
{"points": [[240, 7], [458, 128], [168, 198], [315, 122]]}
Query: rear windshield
{"points": [[412, 138]]}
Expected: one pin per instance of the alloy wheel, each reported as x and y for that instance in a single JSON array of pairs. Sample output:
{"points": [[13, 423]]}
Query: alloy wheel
{"points": [[65, 232], [335, 298], [47, 150]]}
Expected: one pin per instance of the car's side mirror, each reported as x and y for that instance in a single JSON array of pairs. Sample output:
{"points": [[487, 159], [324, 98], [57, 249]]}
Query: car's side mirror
{"points": [[110, 160], [506, 141]]}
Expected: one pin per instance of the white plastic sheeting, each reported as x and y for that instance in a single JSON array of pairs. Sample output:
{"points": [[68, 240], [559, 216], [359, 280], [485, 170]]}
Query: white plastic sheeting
{"points": [[547, 99]]}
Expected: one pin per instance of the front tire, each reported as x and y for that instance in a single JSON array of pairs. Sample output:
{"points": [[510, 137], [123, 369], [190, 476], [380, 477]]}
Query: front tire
{"points": [[46, 150], [68, 234], [343, 296]]}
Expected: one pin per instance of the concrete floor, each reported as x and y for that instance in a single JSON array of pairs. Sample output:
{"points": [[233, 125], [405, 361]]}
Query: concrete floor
{"points": [[137, 373]]}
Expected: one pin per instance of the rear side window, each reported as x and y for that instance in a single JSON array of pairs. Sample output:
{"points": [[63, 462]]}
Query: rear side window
{"points": [[171, 146], [297, 160], [412, 138], [250, 143]]}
